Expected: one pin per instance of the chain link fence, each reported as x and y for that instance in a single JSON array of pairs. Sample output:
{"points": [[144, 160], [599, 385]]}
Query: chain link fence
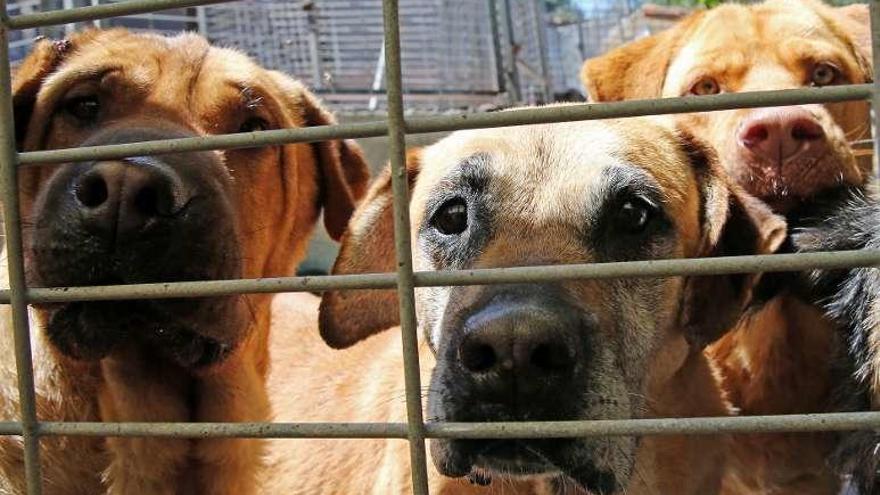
{"points": [[458, 54]]}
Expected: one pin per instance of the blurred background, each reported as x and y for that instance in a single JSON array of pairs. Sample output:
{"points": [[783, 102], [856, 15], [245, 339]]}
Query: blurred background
{"points": [[458, 55]]}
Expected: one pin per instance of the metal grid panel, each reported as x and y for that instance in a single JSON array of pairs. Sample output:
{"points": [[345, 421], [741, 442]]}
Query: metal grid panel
{"points": [[396, 126]]}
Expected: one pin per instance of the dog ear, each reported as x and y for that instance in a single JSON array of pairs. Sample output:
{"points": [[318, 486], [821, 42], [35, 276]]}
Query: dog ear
{"points": [[855, 23], [344, 170], [734, 224], [348, 316], [43, 60], [637, 69]]}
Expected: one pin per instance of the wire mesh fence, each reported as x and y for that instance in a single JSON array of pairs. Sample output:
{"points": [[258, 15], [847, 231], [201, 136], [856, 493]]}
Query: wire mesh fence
{"points": [[502, 52], [396, 126]]}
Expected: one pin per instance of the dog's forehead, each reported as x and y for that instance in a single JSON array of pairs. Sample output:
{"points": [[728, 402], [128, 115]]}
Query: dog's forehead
{"points": [[147, 59], [554, 168], [765, 38]]}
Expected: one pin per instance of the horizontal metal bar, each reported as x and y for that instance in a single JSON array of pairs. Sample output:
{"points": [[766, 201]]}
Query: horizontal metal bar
{"points": [[214, 430], [11, 428], [550, 273], [223, 141], [666, 426], [655, 268], [846, 421], [80, 14], [524, 116]]}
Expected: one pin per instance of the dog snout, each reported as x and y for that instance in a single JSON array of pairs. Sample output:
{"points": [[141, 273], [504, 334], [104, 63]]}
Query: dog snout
{"points": [[515, 350], [779, 135], [139, 220], [122, 197]]}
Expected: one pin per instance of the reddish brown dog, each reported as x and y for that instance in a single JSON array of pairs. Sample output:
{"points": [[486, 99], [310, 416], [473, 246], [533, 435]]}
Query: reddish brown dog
{"points": [[779, 359], [186, 216], [569, 350]]}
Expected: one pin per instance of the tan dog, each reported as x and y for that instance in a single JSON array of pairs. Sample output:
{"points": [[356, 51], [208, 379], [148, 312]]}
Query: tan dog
{"points": [[565, 193], [187, 216], [780, 359]]}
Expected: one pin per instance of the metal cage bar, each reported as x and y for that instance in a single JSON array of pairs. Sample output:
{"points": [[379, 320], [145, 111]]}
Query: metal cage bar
{"points": [[403, 250], [524, 116], [96, 12], [624, 269], [874, 7], [15, 261], [405, 279]]}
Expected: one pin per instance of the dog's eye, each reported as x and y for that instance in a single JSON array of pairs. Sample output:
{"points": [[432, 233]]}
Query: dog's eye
{"points": [[705, 86], [823, 74], [451, 218], [254, 124], [83, 108], [635, 215]]}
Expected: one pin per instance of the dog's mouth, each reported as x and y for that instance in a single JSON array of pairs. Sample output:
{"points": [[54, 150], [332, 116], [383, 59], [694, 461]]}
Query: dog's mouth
{"points": [[92, 330], [784, 182], [514, 458], [785, 185], [497, 461]]}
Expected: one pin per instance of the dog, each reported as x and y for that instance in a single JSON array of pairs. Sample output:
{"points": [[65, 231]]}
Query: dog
{"points": [[572, 350], [173, 217], [784, 356], [847, 218]]}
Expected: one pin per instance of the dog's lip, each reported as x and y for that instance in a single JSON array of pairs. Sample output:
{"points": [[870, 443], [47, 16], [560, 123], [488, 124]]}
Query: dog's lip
{"points": [[513, 458]]}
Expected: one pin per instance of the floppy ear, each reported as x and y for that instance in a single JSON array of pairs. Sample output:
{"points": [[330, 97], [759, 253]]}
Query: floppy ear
{"points": [[44, 58], [348, 316], [344, 170], [635, 70], [734, 224], [855, 23], [344, 173]]}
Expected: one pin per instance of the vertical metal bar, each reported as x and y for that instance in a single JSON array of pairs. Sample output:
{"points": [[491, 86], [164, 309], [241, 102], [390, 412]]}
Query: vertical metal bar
{"points": [[513, 73], [96, 22], [15, 260], [406, 297], [69, 28], [496, 44], [314, 39], [875, 97], [541, 26], [202, 20]]}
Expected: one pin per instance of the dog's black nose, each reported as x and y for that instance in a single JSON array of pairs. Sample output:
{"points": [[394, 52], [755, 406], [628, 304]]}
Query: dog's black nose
{"points": [[521, 348], [121, 197]]}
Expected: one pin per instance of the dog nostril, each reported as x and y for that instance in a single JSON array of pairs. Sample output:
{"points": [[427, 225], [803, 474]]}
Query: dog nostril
{"points": [[92, 191], [150, 202], [807, 131], [551, 357], [477, 357], [146, 201], [755, 135]]}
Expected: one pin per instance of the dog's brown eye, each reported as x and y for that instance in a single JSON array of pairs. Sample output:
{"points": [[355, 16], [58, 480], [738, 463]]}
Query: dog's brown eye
{"points": [[634, 215], [253, 124], [451, 218], [83, 108], [705, 86], [823, 75]]}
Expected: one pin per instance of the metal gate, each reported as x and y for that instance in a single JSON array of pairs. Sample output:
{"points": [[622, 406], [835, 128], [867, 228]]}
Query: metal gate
{"points": [[396, 126]]}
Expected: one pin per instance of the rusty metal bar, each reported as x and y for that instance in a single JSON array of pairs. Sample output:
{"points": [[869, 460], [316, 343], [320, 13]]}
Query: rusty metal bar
{"points": [[846, 421], [626, 269], [95, 12], [16, 270], [403, 250], [420, 125], [874, 7]]}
